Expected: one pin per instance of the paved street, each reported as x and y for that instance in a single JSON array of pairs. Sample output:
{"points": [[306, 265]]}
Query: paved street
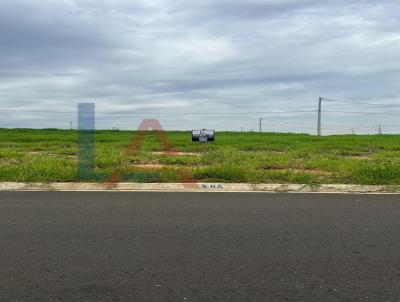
{"points": [[199, 247]]}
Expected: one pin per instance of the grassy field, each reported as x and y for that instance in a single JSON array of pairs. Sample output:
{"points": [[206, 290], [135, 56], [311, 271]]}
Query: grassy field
{"points": [[51, 156]]}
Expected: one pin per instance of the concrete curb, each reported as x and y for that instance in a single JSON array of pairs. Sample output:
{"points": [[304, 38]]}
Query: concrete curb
{"points": [[198, 187]]}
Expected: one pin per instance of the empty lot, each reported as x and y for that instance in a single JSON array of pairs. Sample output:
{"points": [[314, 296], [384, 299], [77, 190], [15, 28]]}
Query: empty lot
{"points": [[52, 156]]}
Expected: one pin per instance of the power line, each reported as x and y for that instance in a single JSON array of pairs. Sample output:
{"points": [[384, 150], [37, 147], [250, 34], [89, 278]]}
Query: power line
{"points": [[349, 112], [161, 113], [207, 113], [362, 112], [37, 111], [356, 103]]}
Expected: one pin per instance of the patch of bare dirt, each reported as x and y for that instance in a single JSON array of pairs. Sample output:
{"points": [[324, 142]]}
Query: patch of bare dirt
{"points": [[176, 153], [357, 156], [152, 166]]}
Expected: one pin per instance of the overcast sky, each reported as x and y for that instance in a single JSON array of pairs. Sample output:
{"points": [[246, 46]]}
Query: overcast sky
{"points": [[163, 58]]}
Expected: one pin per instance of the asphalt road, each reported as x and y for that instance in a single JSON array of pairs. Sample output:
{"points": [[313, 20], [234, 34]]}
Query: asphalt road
{"points": [[199, 247]]}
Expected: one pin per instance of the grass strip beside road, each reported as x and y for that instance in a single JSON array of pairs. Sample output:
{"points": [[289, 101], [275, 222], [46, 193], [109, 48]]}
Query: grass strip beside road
{"points": [[51, 156]]}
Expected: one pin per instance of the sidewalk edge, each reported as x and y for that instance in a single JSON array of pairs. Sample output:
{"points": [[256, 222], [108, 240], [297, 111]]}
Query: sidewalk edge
{"points": [[198, 187]]}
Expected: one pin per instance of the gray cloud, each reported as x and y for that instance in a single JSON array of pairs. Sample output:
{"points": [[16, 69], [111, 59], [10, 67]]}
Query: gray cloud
{"points": [[165, 57]]}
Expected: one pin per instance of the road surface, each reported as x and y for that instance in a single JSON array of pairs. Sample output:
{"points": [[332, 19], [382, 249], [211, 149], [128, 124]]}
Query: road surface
{"points": [[199, 247]]}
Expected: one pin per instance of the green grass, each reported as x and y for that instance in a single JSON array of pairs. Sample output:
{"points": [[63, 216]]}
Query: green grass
{"points": [[51, 156]]}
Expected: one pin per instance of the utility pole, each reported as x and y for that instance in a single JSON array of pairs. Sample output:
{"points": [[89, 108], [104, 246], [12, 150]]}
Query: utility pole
{"points": [[260, 124], [70, 123], [380, 129], [354, 132], [319, 115]]}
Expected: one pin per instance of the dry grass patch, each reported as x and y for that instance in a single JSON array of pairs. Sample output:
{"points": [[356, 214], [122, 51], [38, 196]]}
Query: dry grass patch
{"points": [[298, 170]]}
